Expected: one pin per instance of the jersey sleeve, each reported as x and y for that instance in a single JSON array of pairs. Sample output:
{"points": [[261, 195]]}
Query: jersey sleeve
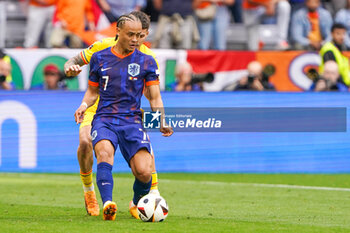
{"points": [[87, 53], [150, 52], [152, 72], [144, 49], [93, 75]]}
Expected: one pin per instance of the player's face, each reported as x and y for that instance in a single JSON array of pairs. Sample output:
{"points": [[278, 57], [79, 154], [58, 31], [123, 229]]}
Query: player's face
{"points": [[143, 37], [129, 35]]}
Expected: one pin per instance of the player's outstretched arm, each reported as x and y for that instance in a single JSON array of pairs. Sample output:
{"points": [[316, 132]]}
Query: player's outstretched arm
{"points": [[73, 66], [152, 93], [89, 99]]}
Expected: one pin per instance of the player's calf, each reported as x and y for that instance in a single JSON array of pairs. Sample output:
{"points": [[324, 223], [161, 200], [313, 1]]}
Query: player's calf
{"points": [[85, 153]]}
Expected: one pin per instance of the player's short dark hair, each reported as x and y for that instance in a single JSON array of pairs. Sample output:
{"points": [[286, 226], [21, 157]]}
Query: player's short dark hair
{"points": [[144, 18], [338, 26], [128, 17]]}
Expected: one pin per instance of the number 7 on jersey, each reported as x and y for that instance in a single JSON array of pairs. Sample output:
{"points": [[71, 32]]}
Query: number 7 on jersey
{"points": [[106, 82]]}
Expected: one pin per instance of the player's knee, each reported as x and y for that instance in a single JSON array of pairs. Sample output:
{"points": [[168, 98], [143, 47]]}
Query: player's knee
{"points": [[85, 144], [144, 177], [143, 173], [103, 155]]}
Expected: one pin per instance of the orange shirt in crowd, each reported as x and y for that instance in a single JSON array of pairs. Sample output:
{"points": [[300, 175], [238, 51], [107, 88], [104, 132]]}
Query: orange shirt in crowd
{"points": [[315, 32], [42, 3], [251, 4], [205, 4], [73, 12]]}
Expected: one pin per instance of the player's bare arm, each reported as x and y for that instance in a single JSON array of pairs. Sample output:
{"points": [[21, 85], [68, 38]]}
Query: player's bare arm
{"points": [[152, 93], [89, 99], [73, 66]]}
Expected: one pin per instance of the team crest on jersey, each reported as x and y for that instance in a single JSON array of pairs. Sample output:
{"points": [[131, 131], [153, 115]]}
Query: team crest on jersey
{"points": [[133, 69]]}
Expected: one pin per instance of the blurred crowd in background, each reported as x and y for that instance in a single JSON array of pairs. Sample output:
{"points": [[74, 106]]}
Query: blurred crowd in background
{"points": [[185, 24], [192, 24]]}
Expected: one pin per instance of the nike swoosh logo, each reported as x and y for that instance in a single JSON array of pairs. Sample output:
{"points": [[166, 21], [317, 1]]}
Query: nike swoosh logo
{"points": [[106, 69], [105, 183]]}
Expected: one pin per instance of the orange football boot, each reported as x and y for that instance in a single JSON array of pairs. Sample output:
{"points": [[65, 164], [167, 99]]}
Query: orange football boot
{"points": [[91, 204], [133, 210], [109, 210]]}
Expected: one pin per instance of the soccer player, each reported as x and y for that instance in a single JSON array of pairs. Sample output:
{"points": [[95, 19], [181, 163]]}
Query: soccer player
{"points": [[85, 154], [118, 75]]}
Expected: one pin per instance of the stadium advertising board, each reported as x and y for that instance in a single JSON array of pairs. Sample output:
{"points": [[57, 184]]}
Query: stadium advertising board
{"points": [[307, 132], [227, 66]]}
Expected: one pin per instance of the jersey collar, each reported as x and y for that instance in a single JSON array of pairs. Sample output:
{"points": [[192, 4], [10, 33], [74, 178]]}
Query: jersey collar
{"points": [[119, 55]]}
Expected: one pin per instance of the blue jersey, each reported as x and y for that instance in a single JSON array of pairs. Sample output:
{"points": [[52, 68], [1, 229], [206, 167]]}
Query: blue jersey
{"points": [[121, 81]]}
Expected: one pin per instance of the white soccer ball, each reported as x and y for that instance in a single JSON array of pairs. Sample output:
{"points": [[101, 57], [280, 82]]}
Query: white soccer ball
{"points": [[152, 208]]}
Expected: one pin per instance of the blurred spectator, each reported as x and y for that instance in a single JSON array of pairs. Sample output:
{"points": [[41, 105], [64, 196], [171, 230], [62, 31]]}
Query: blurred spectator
{"points": [[213, 25], [256, 79], [311, 26], [330, 79], [52, 79], [40, 14], [5, 72], [184, 82], [253, 12], [333, 51], [114, 9], [343, 17], [339, 4], [151, 11], [71, 18], [236, 10], [334, 6], [176, 25], [296, 5]]}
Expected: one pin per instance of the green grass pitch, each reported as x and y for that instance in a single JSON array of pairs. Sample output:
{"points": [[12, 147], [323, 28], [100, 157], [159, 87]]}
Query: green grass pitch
{"points": [[197, 203]]}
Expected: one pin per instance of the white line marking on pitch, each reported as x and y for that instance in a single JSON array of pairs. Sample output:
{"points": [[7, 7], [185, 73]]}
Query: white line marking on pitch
{"points": [[262, 185]]}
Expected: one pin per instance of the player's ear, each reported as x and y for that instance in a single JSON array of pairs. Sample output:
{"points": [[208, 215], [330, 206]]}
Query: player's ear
{"points": [[118, 31]]}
